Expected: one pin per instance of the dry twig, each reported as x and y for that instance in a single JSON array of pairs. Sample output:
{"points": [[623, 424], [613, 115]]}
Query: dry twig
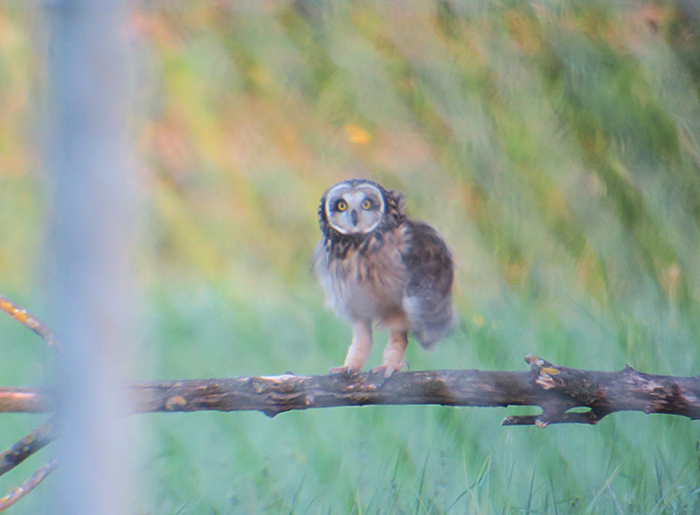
{"points": [[23, 400], [28, 320], [34, 441], [29, 485]]}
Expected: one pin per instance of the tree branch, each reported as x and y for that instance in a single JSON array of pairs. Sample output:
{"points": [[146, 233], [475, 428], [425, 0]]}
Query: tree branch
{"points": [[28, 320], [25, 400], [33, 442], [553, 388], [29, 485]]}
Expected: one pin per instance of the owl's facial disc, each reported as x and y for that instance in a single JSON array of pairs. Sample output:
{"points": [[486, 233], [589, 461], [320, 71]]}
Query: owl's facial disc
{"points": [[354, 210]]}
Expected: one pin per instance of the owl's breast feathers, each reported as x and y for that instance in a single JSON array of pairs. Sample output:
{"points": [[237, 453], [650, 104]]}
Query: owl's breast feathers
{"points": [[399, 275], [363, 275]]}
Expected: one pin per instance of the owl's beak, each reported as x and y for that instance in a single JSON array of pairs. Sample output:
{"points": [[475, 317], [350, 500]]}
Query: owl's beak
{"points": [[354, 217]]}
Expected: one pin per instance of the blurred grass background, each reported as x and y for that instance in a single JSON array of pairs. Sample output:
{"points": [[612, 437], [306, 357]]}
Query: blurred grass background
{"points": [[555, 145]]}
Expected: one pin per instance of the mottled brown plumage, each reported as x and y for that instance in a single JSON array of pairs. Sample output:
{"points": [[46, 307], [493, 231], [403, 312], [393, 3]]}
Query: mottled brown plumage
{"points": [[377, 266]]}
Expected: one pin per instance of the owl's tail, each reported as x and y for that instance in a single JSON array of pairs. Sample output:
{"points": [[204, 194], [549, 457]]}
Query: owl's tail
{"points": [[429, 326]]}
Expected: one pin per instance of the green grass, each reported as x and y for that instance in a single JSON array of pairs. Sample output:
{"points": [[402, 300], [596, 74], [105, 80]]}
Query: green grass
{"points": [[389, 459]]}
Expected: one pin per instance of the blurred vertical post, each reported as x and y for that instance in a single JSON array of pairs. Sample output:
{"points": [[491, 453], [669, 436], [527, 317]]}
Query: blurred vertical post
{"points": [[89, 243]]}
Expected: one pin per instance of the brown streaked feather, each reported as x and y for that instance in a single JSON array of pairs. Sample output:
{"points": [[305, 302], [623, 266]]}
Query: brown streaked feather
{"points": [[428, 302], [367, 282]]}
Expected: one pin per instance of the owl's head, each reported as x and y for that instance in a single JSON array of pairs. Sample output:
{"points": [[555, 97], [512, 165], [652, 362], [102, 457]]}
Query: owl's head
{"points": [[358, 207]]}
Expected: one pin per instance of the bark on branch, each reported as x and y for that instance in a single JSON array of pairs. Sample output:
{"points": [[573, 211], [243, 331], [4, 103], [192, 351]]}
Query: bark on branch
{"points": [[556, 390]]}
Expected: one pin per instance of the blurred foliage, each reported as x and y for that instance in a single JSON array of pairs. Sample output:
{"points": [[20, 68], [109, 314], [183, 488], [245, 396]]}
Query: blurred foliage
{"points": [[556, 146]]}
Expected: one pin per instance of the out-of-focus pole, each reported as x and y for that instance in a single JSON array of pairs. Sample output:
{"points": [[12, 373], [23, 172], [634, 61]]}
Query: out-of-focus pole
{"points": [[89, 244]]}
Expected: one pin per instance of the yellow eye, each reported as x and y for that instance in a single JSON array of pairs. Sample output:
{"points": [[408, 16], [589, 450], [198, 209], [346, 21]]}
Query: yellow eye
{"points": [[366, 204], [342, 205]]}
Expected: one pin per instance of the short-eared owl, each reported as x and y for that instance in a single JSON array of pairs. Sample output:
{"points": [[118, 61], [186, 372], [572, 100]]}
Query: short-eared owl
{"points": [[377, 266]]}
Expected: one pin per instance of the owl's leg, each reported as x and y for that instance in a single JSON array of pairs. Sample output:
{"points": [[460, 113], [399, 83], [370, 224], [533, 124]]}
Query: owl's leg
{"points": [[359, 348], [394, 353]]}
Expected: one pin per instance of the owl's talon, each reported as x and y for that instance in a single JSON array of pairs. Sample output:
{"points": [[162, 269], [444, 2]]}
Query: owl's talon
{"points": [[388, 370], [378, 370], [342, 370]]}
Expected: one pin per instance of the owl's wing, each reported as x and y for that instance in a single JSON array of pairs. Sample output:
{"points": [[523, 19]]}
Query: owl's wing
{"points": [[428, 297]]}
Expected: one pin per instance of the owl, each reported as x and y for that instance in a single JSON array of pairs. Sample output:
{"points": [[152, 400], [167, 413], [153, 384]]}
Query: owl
{"points": [[379, 267]]}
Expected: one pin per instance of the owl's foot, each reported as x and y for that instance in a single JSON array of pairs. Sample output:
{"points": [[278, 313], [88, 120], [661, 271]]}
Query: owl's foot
{"points": [[387, 369], [343, 370], [394, 353]]}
